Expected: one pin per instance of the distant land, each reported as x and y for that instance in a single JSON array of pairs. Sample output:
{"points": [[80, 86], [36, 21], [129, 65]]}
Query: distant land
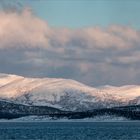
{"points": [[58, 99]]}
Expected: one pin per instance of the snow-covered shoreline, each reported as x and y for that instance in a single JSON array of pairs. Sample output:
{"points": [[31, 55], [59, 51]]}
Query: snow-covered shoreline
{"points": [[105, 118]]}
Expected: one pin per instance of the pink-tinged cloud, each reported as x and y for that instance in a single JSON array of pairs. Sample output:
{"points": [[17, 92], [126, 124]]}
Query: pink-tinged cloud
{"points": [[22, 30], [115, 36]]}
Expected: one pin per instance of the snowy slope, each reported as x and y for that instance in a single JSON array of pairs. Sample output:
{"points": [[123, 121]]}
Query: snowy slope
{"points": [[65, 94]]}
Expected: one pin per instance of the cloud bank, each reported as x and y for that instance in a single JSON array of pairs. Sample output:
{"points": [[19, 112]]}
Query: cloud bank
{"points": [[92, 55]]}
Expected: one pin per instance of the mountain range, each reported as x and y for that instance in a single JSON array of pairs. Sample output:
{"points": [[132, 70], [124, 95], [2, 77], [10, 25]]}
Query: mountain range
{"points": [[21, 96]]}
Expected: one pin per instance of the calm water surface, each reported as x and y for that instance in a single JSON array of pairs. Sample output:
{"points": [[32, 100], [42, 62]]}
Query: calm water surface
{"points": [[70, 130]]}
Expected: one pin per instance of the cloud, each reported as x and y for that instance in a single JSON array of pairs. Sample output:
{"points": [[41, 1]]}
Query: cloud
{"points": [[22, 30], [92, 55], [115, 36]]}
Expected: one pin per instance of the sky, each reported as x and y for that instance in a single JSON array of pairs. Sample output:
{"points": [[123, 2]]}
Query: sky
{"points": [[83, 13], [96, 42]]}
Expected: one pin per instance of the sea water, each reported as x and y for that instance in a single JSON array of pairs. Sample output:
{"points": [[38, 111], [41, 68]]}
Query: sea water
{"points": [[70, 130]]}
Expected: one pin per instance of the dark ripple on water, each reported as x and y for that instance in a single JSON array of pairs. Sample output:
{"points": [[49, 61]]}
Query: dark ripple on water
{"points": [[70, 131]]}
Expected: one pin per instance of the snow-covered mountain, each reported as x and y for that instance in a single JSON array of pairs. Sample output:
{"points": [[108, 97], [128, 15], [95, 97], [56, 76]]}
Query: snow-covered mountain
{"points": [[65, 94]]}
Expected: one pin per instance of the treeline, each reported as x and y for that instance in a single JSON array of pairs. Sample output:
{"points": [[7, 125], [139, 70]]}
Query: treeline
{"points": [[10, 110], [130, 112]]}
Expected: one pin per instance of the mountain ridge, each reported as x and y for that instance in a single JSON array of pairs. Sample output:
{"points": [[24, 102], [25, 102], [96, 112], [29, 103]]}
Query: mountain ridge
{"points": [[65, 94]]}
